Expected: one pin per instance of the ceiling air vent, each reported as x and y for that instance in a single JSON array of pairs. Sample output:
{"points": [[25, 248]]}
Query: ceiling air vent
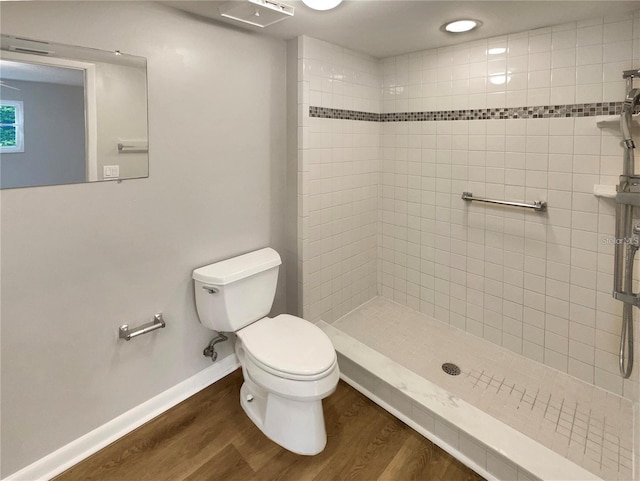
{"points": [[35, 51], [260, 13]]}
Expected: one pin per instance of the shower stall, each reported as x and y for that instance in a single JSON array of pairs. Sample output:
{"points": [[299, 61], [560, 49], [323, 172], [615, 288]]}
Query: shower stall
{"points": [[414, 282]]}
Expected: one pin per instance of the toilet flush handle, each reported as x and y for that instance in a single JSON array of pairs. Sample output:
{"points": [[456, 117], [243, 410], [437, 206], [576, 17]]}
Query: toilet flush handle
{"points": [[210, 290]]}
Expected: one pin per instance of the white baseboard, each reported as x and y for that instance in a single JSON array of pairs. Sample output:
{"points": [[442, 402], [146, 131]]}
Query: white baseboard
{"points": [[81, 448]]}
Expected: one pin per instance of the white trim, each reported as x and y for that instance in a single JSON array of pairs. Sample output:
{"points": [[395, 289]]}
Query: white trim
{"points": [[83, 447], [91, 115], [91, 119]]}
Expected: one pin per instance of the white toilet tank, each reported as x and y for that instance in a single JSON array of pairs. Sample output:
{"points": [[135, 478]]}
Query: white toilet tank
{"points": [[233, 293]]}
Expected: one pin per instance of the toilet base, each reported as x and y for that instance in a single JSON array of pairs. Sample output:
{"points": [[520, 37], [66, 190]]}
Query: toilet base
{"points": [[297, 426]]}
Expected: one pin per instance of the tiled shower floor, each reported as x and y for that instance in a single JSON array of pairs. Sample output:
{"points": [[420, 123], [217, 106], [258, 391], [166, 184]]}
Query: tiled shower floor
{"points": [[587, 425]]}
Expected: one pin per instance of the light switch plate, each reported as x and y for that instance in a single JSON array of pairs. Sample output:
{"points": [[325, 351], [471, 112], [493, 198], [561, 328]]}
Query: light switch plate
{"points": [[111, 171]]}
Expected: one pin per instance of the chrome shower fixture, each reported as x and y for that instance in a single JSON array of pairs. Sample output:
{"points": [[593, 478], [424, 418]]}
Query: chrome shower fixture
{"points": [[627, 199], [628, 106], [631, 101], [631, 73]]}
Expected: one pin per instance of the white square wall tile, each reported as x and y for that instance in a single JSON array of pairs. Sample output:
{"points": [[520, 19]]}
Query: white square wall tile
{"points": [[540, 61], [588, 93], [564, 39], [423, 417], [589, 74], [589, 54], [618, 51], [618, 31], [474, 450], [500, 467], [562, 95], [539, 43], [447, 432], [525, 476], [565, 76]]}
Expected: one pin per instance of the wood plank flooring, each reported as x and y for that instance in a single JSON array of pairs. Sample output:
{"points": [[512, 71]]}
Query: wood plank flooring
{"points": [[208, 437]]}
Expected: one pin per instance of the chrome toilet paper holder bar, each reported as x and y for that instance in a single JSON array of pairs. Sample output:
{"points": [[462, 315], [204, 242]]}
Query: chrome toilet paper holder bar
{"points": [[127, 334]]}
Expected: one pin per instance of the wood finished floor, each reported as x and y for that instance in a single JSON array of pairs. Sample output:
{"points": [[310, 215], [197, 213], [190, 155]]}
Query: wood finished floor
{"points": [[209, 438]]}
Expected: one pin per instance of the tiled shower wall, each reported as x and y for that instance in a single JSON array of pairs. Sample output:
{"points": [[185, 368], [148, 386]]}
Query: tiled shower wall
{"points": [[536, 283], [338, 168]]}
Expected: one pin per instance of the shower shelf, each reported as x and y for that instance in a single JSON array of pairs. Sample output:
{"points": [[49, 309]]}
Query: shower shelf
{"points": [[605, 191], [613, 121]]}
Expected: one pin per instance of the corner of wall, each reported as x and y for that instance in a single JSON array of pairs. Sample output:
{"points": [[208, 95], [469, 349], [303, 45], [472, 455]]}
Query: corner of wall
{"points": [[291, 189], [338, 177]]}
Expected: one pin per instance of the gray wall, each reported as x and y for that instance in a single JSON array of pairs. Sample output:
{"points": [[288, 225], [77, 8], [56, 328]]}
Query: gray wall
{"points": [[79, 260], [54, 147], [121, 106]]}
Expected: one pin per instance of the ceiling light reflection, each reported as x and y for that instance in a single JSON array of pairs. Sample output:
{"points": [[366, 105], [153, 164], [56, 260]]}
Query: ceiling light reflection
{"points": [[500, 79]]}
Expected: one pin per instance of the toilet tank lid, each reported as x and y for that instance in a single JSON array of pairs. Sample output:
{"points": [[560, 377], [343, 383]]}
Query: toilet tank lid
{"points": [[236, 268]]}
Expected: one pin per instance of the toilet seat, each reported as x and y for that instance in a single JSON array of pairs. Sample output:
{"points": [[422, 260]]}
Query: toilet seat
{"points": [[289, 347], [288, 375]]}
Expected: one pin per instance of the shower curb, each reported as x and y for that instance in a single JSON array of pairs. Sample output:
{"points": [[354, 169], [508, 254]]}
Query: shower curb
{"points": [[456, 453]]}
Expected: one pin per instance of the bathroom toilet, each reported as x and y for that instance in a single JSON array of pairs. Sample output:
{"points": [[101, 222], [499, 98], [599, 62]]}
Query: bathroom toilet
{"points": [[289, 365]]}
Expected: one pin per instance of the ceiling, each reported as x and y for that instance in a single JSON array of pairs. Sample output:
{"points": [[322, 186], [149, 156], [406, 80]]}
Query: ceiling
{"points": [[40, 73], [382, 28]]}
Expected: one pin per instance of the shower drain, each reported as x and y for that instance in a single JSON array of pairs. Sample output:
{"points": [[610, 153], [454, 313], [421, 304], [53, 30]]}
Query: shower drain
{"points": [[451, 369]]}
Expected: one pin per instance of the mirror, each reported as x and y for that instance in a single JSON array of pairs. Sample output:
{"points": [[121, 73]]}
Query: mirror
{"points": [[70, 114]]}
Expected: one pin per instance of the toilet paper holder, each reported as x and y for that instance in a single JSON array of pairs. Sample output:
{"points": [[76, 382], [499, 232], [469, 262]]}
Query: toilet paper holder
{"points": [[127, 334]]}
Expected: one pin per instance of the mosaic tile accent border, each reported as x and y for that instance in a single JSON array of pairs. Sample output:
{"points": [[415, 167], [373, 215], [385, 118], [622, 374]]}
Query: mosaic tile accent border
{"points": [[328, 113], [540, 111]]}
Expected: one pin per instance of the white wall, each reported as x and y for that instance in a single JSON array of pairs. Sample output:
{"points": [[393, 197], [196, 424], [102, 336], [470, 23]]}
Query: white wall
{"points": [[338, 164], [539, 285], [78, 261]]}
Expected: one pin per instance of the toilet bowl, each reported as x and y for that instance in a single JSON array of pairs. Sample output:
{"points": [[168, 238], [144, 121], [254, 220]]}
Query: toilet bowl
{"points": [[289, 365]]}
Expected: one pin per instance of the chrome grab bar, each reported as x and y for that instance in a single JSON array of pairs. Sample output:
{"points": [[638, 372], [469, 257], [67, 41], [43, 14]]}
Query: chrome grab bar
{"points": [[127, 334], [133, 148], [538, 205]]}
